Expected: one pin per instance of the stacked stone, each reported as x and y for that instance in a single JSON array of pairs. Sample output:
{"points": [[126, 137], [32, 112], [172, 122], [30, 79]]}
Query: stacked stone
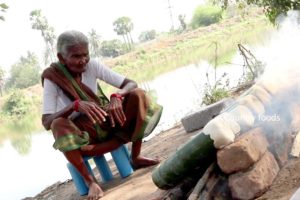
{"points": [[250, 165]]}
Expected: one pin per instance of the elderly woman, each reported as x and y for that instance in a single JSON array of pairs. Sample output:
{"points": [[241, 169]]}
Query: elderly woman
{"points": [[83, 121]]}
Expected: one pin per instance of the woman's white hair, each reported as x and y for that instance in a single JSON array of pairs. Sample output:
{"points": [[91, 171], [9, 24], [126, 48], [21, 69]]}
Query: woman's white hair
{"points": [[69, 39]]}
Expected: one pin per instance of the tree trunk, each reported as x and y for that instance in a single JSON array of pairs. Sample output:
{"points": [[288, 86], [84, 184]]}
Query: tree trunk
{"points": [[126, 43], [129, 43], [130, 37]]}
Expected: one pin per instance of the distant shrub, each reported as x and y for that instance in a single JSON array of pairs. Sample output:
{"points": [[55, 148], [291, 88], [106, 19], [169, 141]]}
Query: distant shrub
{"points": [[17, 104], [206, 15], [112, 48], [147, 36]]}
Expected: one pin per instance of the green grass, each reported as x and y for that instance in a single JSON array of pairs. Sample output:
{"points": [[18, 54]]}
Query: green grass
{"points": [[184, 52]]}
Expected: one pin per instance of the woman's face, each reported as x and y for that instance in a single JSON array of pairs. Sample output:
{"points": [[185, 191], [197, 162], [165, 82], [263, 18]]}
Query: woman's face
{"points": [[76, 58]]}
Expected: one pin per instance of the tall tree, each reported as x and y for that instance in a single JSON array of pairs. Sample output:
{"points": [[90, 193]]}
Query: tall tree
{"points": [[181, 19], [3, 8], [40, 22], [272, 8], [95, 43], [2, 74], [123, 26], [25, 73]]}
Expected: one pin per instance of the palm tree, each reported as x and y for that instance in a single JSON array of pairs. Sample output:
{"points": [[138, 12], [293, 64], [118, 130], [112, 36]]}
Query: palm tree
{"points": [[95, 43], [40, 22], [123, 26]]}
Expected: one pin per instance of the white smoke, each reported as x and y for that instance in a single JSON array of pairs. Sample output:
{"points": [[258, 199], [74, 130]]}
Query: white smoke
{"points": [[281, 77], [282, 56], [276, 92]]}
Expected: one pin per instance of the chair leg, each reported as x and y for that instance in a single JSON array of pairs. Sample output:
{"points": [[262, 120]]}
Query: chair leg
{"points": [[103, 168], [121, 158], [77, 178], [122, 161]]}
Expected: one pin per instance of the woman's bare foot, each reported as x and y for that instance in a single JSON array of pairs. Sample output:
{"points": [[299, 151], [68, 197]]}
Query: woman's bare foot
{"points": [[95, 192], [140, 162]]}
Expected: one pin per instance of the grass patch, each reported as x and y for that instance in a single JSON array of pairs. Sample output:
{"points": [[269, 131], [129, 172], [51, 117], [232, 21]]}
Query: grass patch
{"points": [[196, 48]]}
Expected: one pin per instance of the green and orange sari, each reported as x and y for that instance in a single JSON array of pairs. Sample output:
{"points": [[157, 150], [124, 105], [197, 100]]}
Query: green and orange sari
{"points": [[142, 115]]}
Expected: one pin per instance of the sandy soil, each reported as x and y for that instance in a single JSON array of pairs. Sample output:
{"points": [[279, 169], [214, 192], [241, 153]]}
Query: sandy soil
{"points": [[139, 185]]}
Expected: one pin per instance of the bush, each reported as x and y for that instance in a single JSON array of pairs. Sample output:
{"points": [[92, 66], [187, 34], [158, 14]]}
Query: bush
{"points": [[147, 36], [113, 48], [17, 104], [206, 15], [214, 95], [24, 73], [216, 92]]}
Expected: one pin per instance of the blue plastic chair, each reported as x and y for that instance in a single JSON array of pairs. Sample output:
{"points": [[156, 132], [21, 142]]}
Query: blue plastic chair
{"points": [[122, 161]]}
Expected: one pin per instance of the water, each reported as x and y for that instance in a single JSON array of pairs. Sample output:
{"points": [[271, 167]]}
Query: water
{"points": [[27, 175], [179, 91]]}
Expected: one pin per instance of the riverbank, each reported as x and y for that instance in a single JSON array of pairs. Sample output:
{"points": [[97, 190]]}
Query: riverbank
{"points": [[139, 185]]}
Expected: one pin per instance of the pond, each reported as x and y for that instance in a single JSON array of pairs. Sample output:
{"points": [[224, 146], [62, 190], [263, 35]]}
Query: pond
{"points": [[179, 91]]}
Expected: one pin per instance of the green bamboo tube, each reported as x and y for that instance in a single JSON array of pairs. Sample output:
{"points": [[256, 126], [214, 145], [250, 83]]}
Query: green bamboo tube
{"points": [[198, 152]]}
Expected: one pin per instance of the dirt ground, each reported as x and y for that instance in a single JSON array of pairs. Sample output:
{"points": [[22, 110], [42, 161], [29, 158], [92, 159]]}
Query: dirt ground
{"points": [[139, 185]]}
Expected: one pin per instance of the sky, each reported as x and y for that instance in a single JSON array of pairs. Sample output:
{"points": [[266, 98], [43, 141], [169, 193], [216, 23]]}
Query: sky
{"points": [[17, 37]]}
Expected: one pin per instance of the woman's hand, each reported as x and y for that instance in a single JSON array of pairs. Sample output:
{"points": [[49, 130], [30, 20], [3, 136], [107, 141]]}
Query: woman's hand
{"points": [[115, 111], [92, 111]]}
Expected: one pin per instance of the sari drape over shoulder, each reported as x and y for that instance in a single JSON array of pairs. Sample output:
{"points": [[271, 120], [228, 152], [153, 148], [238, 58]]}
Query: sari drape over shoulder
{"points": [[142, 115]]}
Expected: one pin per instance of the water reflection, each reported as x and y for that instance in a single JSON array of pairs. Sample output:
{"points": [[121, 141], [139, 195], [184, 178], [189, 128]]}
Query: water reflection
{"points": [[26, 175], [22, 144], [19, 132]]}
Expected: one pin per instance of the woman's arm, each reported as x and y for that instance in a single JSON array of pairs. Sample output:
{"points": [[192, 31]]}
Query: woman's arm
{"points": [[47, 119], [50, 94], [90, 109], [115, 108], [127, 86]]}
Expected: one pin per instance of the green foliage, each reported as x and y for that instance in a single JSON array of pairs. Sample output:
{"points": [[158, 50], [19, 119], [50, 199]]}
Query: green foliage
{"points": [[272, 8], [216, 92], [17, 104], [193, 48], [112, 48], [123, 26], [25, 73], [3, 8], [206, 15], [147, 36]]}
